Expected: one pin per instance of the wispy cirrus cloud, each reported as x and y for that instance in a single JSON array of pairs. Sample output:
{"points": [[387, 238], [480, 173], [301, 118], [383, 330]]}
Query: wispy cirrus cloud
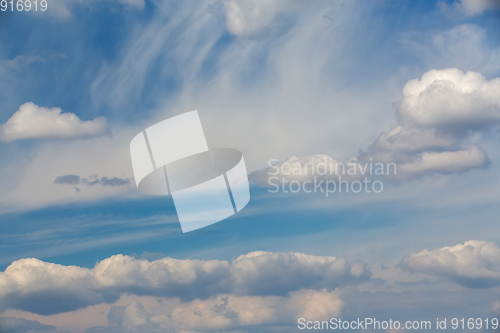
{"points": [[254, 18]]}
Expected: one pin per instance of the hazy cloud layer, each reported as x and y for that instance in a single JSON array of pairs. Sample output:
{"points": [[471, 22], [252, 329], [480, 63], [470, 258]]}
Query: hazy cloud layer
{"points": [[62, 9], [475, 264], [34, 122], [39, 287]]}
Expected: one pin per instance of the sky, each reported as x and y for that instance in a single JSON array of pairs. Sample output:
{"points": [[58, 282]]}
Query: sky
{"points": [[292, 85]]}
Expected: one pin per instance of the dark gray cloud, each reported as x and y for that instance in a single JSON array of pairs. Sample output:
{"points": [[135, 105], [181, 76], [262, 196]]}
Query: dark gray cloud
{"points": [[91, 181], [115, 181], [67, 179]]}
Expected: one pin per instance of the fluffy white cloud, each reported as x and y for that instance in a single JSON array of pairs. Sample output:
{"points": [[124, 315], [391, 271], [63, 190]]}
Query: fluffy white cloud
{"points": [[475, 264], [226, 312], [437, 119], [35, 122], [45, 288], [263, 273], [451, 100]]}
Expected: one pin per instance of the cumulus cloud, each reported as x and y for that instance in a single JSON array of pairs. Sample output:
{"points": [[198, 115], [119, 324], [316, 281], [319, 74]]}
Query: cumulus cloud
{"points": [[262, 273], [475, 264], [439, 116], [450, 100], [45, 288], [225, 312], [34, 122], [437, 119]]}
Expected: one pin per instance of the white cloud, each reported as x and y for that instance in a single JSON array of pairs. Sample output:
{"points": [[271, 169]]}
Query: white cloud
{"points": [[256, 77], [437, 120], [476, 7], [475, 264], [25, 283], [404, 140], [253, 17], [300, 168], [231, 312], [262, 273], [452, 161], [35, 122], [224, 312], [451, 100], [465, 46]]}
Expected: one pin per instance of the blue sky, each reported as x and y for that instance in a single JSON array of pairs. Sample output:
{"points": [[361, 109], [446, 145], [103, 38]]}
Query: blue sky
{"points": [[405, 82]]}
